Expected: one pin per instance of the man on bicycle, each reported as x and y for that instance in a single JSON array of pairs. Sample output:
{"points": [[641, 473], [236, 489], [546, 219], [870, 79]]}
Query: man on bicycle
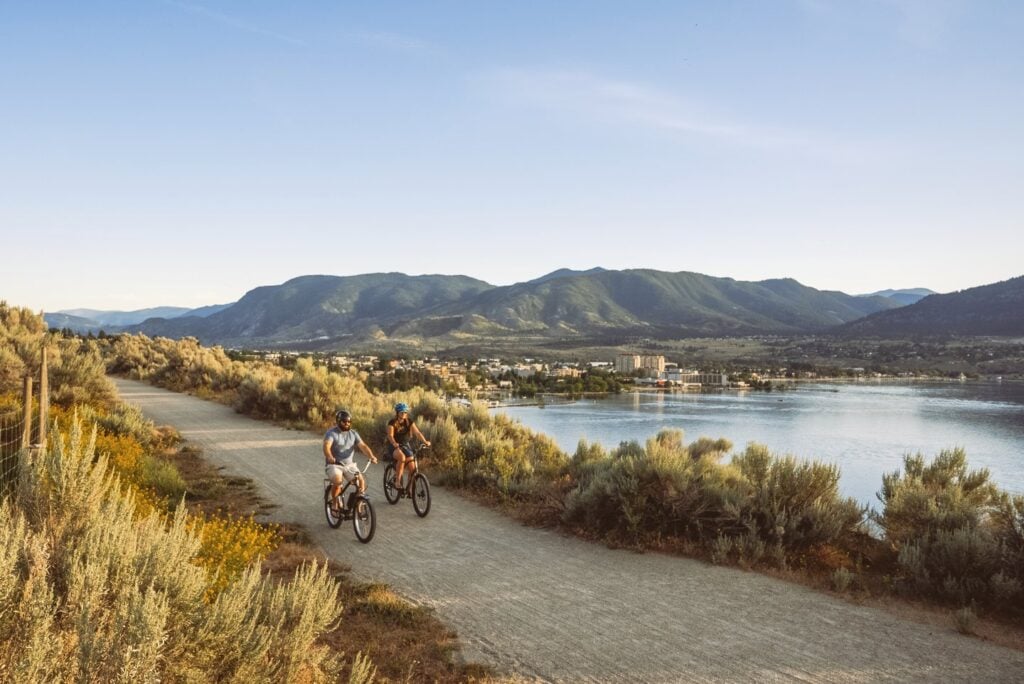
{"points": [[340, 444], [400, 430]]}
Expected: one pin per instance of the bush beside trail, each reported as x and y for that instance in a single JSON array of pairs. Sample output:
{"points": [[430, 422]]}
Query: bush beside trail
{"points": [[958, 538], [96, 590], [756, 508]]}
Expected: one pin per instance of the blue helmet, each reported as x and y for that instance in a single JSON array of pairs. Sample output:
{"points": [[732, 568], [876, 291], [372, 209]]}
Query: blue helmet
{"points": [[401, 407]]}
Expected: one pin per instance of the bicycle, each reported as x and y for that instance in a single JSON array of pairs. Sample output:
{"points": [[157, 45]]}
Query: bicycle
{"points": [[359, 509], [418, 489]]}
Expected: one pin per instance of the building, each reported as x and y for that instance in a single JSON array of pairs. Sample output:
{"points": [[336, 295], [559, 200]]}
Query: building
{"points": [[627, 363], [651, 366]]}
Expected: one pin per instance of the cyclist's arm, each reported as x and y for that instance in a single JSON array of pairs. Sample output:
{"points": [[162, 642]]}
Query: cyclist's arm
{"points": [[366, 451], [419, 435], [391, 436], [327, 451]]}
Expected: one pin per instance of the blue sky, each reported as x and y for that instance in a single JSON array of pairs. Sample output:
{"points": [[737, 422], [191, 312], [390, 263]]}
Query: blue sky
{"points": [[183, 152]]}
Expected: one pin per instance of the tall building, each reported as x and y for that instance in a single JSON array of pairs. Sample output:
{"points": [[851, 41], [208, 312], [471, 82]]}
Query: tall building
{"points": [[627, 363], [651, 365]]}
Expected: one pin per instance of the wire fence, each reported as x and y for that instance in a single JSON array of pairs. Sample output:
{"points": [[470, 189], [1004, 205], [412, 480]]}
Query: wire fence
{"points": [[23, 426], [12, 436]]}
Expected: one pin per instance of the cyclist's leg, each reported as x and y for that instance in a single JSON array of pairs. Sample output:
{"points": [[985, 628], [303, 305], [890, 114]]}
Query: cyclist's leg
{"points": [[399, 457], [337, 478], [353, 475], [410, 461]]}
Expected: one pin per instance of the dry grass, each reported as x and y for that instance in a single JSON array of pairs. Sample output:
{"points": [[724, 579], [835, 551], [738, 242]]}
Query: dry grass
{"points": [[406, 643]]}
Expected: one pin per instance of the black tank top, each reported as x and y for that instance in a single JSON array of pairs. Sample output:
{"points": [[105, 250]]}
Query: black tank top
{"points": [[402, 428]]}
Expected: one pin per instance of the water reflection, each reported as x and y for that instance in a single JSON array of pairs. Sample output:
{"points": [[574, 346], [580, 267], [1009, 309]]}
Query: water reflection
{"points": [[864, 428]]}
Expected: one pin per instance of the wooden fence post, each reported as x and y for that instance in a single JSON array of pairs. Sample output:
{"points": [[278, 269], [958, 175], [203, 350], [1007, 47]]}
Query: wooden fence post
{"points": [[26, 430], [44, 401]]}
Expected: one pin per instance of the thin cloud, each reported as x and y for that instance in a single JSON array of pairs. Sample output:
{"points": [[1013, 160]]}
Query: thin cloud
{"points": [[590, 97], [232, 22]]}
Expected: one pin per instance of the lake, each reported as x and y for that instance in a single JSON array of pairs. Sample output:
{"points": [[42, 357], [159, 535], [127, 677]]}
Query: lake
{"points": [[865, 428]]}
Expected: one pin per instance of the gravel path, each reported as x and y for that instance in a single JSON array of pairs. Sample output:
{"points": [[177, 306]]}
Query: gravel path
{"points": [[547, 607]]}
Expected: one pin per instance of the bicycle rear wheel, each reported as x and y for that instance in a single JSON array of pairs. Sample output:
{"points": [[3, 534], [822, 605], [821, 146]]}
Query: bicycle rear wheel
{"points": [[333, 519], [421, 494], [390, 491], [364, 520]]}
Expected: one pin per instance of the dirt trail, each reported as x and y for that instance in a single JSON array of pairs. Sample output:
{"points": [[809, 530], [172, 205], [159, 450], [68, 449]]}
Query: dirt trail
{"points": [[551, 608]]}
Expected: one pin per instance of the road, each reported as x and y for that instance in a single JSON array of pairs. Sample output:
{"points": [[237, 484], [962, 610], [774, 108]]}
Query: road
{"points": [[551, 608]]}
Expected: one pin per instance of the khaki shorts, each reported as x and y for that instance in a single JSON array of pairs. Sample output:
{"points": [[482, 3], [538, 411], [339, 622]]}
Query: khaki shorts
{"points": [[341, 472]]}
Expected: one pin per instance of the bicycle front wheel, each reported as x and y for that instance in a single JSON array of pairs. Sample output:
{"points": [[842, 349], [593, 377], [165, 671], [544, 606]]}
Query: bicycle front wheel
{"points": [[420, 494], [364, 520], [391, 492], [333, 518]]}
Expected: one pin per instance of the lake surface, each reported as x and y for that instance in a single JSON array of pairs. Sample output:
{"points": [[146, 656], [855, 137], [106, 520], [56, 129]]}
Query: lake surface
{"points": [[864, 428]]}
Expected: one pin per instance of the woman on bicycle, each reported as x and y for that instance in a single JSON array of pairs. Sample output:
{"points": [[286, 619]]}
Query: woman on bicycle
{"points": [[400, 430]]}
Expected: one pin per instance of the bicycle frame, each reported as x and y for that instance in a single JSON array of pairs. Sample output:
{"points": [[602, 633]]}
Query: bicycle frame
{"points": [[348, 483]]}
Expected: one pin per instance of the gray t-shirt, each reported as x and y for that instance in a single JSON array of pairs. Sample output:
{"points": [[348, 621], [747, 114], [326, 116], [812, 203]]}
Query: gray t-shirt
{"points": [[342, 443]]}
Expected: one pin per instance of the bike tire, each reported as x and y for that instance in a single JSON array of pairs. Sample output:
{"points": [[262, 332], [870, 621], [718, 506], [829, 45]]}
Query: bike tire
{"points": [[364, 520], [332, 520], [391, 493], [421, 494]]}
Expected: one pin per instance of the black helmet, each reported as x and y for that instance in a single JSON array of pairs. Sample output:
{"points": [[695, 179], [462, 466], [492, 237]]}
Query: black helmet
{"points": [[342, 416]]}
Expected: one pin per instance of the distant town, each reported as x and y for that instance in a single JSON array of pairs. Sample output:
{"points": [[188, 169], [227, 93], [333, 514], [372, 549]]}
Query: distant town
{"points": [[526, 377]]}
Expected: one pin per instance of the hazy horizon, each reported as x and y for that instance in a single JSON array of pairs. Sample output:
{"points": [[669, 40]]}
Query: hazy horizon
{"points": [[181, 153]]}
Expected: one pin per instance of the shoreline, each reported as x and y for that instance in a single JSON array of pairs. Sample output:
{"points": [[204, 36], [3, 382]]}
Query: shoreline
{"points": [[787, 383]]}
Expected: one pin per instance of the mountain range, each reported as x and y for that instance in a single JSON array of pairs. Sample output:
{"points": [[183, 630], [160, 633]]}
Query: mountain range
{"points": [[903, 297], [94, 320], [996, 310], [593, 306]]}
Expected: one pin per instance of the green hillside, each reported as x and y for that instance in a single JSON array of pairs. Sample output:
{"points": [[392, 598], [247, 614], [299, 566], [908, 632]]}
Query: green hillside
{"points": [[325, 311]]}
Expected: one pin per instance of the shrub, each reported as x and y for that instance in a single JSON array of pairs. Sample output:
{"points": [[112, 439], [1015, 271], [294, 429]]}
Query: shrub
{"points": [[841, 579], [942, 495], [123, 420], [721, 549], [256, 394], [99, 593], [470, 417], [163, 478], [124, 453], [230, 545], [955, 535], [444, 442], [793, 503], [487, 458], [715, 448], [965, 620], [758, 507], [639, 492], [78, 375]]}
